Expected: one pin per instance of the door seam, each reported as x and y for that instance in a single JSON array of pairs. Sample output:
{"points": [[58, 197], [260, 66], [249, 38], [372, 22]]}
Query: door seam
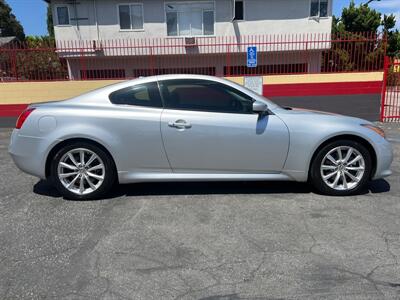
{"points": [[162, 141]]}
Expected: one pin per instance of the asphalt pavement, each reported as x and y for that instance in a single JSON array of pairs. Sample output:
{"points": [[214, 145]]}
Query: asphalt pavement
{"points": [[265, 240]]}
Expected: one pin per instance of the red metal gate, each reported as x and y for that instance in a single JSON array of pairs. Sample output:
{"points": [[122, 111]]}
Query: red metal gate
{"points": [[390, 108]]}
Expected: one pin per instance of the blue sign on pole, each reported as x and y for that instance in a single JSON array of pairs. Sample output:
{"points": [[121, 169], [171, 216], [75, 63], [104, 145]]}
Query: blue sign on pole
{"points": [[251, 57]]}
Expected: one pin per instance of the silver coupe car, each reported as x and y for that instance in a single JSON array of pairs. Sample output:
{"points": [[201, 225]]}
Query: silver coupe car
{"points": [[192, 128]]}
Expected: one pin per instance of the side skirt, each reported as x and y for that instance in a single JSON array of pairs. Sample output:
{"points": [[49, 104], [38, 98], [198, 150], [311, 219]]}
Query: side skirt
{"points": [[125, 177]]}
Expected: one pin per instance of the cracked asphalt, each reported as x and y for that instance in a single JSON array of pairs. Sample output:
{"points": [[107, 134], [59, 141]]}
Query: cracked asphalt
{"points": [[270, 240]]}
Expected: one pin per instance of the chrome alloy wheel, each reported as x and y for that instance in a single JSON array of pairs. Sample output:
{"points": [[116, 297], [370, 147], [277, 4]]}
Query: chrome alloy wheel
{"points": [[342, 168], [81, 171]]}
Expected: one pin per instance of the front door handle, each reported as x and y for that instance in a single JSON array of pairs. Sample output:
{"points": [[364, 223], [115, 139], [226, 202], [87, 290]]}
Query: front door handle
{"points": [[180, 124]]}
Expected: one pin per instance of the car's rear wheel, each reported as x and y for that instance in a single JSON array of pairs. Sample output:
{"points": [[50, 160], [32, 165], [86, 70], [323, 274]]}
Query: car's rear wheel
{"points": [[82, 170], [341, 168]]}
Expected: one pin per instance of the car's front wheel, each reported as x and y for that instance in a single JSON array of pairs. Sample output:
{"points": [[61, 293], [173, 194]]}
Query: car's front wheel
{"points": [[82, 170], [341, 168]]}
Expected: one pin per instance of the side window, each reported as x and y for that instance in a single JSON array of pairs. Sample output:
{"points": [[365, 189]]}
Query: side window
{"points": [[140, 95], [204, 95]]}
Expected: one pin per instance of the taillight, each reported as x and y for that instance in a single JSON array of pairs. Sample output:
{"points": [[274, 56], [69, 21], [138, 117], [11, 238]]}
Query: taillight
{"points": [[23, 116]]}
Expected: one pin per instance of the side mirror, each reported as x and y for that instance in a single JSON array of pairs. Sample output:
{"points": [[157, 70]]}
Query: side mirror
{"points": [[259, 107]]}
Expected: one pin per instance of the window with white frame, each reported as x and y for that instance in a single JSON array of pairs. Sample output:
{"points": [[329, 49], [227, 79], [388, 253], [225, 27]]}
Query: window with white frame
{"points": [[190, 18], [62, 15], [319, 8], [130, 16]]}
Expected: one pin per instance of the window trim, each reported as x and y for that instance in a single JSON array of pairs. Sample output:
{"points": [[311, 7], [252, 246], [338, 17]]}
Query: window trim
{"points": [[319, 10], [189, 2], [56, 15], [130, 16], [244, 12], [162, 89]]}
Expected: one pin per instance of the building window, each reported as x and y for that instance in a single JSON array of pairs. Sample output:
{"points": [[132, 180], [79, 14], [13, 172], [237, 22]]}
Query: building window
{"points": [[130, 16], [185, 70], [62, 15], [190, 19], [266, 69], [103, 74], [239, 10], [319, 8]]}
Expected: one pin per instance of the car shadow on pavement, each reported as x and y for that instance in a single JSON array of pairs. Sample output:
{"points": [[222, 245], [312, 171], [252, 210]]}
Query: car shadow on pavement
{"points": [[204, 188]]}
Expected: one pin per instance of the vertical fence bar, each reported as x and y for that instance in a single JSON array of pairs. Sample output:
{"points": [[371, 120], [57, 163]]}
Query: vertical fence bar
{"points": [[14, 64], [228, 61], [83, 74], [384, 85]]}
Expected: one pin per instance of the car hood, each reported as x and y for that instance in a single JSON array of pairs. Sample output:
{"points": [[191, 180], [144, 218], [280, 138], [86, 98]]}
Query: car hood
{"points": [[322, 116], [310, 111]]}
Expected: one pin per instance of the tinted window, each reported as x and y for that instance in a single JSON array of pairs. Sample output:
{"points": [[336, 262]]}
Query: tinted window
{"points": [[137, 16], [323, 8], [124, 17], [203, 95], [319, 8], [238, 10], [208, 21], [172, 23], [141, 95], [130, 16], [314, 10], [62, 15]]}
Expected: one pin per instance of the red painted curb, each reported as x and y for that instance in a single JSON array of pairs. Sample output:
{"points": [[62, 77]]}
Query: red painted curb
{"points": [[11, 110]]}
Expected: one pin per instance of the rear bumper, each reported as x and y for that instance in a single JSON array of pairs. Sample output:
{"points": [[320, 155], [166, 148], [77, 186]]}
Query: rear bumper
{"points": [[28, 154]]}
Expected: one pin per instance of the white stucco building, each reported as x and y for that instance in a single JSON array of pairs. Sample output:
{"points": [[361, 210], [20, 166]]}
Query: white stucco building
{"points": [[190, 28]]}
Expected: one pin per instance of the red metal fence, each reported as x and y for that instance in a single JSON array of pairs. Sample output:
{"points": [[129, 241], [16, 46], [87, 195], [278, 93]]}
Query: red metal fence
{"points": [[220, 56], [390, 109]]}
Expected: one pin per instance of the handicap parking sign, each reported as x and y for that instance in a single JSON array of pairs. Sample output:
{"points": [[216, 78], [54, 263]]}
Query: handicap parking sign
{"points": [[251, 57]]}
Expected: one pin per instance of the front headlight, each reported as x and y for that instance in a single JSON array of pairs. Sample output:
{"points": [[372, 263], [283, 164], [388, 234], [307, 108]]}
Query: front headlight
{"points": [[376, 129]]}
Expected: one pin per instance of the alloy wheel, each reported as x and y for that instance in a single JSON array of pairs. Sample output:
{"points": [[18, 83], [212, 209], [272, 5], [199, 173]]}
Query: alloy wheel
{"points": [[81, 171], [342, 168]]}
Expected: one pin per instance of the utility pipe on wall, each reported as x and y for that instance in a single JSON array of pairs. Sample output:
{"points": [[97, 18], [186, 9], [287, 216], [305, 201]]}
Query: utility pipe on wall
{"points": [[95, 19]]}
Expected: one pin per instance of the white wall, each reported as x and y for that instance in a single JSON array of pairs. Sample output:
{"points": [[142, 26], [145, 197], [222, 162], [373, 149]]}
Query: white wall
{"points": [[261, 17]]}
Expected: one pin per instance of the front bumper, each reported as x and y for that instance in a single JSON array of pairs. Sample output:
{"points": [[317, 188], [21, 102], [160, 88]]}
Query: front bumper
{"points": [[384, 157], [28, 154]]}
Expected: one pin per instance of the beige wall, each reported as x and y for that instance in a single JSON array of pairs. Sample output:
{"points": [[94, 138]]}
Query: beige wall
{"points": [[31, 92]]}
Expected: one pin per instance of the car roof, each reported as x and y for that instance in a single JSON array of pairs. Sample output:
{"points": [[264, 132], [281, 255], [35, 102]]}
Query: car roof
{"points": [[173, 76], [120, 85], [102, 93]]}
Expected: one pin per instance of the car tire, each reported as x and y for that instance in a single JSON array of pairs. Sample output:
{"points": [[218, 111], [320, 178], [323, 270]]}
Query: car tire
{"points": [[75, 180], [333, 173]]}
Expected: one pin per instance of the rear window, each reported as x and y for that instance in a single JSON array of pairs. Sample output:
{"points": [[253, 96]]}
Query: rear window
{"points": [[139, 95]]}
